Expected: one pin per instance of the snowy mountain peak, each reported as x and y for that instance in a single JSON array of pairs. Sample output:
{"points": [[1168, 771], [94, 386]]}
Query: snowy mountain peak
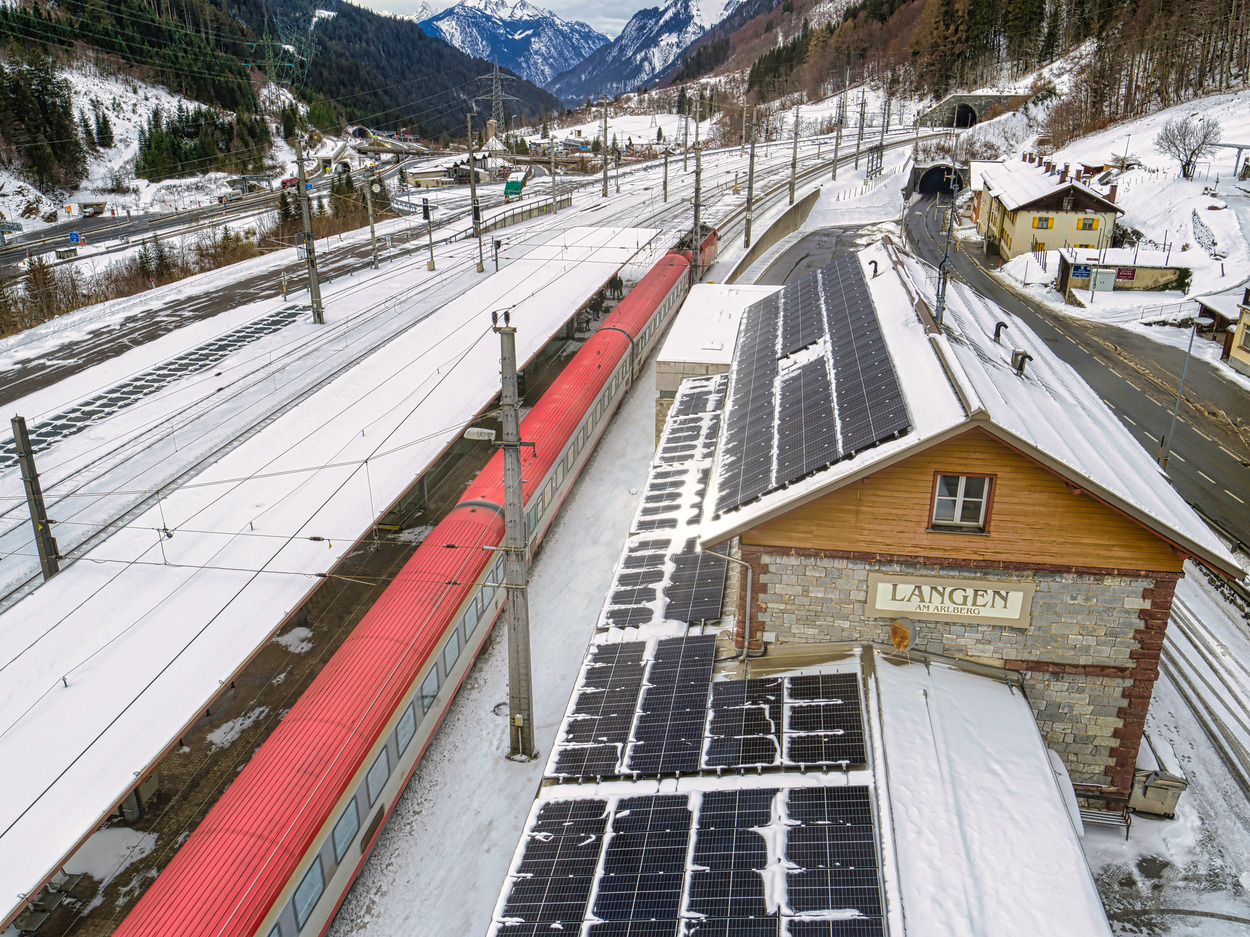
{"points": [[531, 41], [649, 43]]}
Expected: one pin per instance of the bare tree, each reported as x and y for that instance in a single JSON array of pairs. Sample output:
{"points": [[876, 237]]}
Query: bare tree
{"points": [[1187, 139]]}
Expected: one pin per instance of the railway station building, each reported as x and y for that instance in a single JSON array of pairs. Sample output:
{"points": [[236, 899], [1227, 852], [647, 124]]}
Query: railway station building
{"points": [[938, 480]]}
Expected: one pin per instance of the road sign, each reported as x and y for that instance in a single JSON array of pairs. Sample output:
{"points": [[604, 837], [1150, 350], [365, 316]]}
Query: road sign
{"points": [[1080, 271], [10, 226], [376, 188], [308, 186], [75, 237]]}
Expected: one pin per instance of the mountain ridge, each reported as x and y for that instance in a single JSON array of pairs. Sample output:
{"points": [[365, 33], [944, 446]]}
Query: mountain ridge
{"points": [[527, 39]]}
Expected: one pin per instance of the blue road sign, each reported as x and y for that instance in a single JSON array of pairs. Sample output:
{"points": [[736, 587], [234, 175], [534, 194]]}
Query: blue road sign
{"points": [[1080, 271], [308, 186], [74, 237]]}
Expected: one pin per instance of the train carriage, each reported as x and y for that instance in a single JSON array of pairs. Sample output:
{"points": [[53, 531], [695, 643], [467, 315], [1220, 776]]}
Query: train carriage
{"points": [[277, 853]]}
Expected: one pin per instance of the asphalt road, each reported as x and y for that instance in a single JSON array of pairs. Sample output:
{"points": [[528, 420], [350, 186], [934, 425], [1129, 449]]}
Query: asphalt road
{"points": [[1137, 378]]}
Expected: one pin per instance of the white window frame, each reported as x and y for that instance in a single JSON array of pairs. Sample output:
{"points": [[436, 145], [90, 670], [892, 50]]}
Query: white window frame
{"points": [[429, 689], [409, 714], [959, 499]]}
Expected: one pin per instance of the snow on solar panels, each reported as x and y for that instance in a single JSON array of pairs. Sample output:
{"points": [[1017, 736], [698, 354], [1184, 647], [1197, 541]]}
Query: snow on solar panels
{"points": [[704, 863], [812, 384], [662, 577]]}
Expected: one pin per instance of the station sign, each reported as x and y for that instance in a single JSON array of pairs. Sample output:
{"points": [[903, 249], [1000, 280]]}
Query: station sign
{"points": [[1126, 273], [1004, 602], [1081, 271]]}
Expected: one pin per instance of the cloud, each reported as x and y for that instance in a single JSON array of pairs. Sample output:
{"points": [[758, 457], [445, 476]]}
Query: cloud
{"points": [[604, 15]]}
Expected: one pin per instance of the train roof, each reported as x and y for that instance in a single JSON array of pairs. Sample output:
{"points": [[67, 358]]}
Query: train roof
{"points": [[226, 877], [144, 645]]}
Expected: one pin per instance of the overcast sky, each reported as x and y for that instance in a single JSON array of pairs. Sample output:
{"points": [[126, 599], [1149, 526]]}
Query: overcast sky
{"points": [[607, 16]]}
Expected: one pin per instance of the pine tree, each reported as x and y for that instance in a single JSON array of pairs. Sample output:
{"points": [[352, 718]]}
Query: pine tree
{"points": [[103, 129], [286, 214], [88, 134]]}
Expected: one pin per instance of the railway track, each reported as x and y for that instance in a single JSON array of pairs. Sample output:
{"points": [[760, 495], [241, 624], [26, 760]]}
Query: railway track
{"points": [[1213, 679]]}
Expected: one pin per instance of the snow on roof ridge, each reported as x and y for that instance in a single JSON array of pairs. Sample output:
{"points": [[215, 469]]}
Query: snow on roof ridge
{"points": [[1017, 183]]}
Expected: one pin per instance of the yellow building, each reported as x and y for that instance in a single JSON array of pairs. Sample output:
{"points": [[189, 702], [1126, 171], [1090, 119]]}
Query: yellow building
{"points": [[1034, 205], [1237, 347]]}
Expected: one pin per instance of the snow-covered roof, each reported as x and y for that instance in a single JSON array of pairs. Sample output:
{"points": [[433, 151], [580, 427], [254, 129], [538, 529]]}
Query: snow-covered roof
{"points": [[1231, 304], [1016, 184], [1122, 257], [976, 171], [959, 378], [707, 325], [107, 663]]}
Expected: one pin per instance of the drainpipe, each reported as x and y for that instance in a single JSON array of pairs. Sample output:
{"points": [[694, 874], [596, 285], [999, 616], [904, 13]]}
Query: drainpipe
{"points": [[746, 627]]}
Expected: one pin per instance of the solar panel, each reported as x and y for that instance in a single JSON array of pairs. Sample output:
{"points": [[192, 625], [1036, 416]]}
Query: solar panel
{"points": [[833, 849], [598, 727], [797, 405], [644, 866], [668, 737], [554, 879], [697, 585]]}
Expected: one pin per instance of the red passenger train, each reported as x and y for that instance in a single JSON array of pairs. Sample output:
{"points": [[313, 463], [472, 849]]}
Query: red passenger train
{"points": [[276, 854]]}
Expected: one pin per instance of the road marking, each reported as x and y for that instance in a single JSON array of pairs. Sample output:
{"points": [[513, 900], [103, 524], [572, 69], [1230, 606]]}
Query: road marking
{"points": [[1204, 435], [1177, 455], [1233, 496], [1206, 476], [1109, 404], [1125, 416], [1131, 384], [1228, 451]]}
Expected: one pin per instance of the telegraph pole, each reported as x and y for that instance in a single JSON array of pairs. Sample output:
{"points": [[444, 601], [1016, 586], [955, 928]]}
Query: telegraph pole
{"points": [[520, 678], [885, 122], [742, 147], [685, 138], [605, 147], [697, 102], [370, 185], [554, 206], [49, 556], [666, 176], [794, 157], [310, 249], [429, 229], [477, 209], [944, 268], [698, 221], [859, 140], [750, 184]]}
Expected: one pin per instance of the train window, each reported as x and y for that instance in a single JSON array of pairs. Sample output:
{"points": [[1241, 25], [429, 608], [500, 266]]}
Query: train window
{"points": [[406, 728], [348, 826], [429, 690], [550, 494], [468, 623], [559, 474], [529, 523], [375, 780], [451, 653], [309, 891]]}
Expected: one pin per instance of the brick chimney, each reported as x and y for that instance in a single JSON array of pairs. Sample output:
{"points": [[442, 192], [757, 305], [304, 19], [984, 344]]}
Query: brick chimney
{"points": [[1050, 165], [1111, 194], [1063, 176], [1024, 157]]}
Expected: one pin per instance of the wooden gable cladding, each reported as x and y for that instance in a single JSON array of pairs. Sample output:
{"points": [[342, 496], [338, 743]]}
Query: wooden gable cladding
{"points": [[1081, 201], [1035, 516]]}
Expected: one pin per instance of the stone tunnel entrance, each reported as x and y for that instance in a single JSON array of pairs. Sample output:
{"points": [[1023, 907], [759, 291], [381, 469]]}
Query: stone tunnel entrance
{"points": [[965, 116], [937, 179]]}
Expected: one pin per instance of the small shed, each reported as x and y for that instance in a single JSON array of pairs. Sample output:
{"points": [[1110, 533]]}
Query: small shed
{"points": [[1119, 268]]}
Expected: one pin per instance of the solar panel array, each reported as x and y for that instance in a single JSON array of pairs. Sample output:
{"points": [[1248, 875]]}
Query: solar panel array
{"points": [[662, 577], [808, 720], [665, 715], [812, 384], [707, 865]]}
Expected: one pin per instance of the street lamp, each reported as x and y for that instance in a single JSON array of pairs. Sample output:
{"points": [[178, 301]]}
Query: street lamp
{"points": [[1165, 447]]}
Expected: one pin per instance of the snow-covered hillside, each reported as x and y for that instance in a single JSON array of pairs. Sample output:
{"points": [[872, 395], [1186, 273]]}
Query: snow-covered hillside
{"points": [[649, 43], [528, 40], [129, 104]]}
